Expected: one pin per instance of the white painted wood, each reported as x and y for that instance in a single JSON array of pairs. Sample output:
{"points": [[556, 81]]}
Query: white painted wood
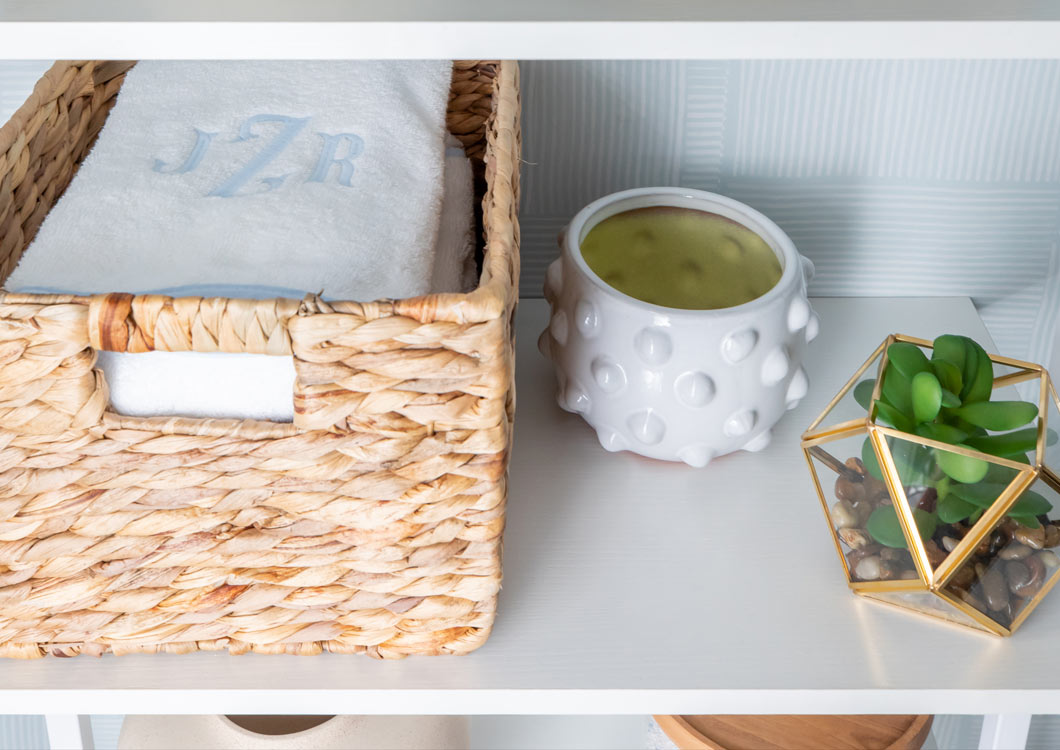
{"points": [[1004, 731], [634, 586], [69, 732], [557, 29]]}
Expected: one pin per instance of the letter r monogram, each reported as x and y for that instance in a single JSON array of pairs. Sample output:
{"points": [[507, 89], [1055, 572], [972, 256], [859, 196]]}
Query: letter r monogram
{"points": [[354, 147]]}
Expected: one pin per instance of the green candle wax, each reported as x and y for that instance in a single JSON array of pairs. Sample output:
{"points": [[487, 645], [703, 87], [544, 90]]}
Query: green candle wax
{"points": [[681, 258]]}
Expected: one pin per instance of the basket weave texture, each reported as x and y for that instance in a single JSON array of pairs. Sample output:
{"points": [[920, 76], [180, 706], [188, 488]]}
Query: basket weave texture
{"points": [[372, 523]]}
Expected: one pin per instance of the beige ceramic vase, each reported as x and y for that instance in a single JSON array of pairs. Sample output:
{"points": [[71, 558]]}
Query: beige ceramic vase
{"points": [[294, 733]]}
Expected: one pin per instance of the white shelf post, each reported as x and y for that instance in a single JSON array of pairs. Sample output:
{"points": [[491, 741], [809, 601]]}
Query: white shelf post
{"points": [[69, 732], [1005, 732]]}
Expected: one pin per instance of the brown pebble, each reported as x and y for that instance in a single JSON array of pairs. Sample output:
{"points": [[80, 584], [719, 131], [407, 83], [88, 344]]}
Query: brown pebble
{"points": [[1052, 536], [994, 589], [1049, 559], [889, 570], [855, 556], [926, 500], [855, 463], [1033, 538], [847, 490], [1015, 551], [962, 578], [1018, 575], [843, 515], [1037, 576], [868, 568], [909, 575], [969, 598], [935, 554], [863, 509], [855, 538]]}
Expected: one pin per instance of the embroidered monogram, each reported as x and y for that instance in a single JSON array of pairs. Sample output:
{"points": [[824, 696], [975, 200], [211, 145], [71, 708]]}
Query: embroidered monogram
{"points": [[336, 156]]}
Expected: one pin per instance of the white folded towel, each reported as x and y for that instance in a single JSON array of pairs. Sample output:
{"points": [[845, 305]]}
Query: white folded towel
{"points": [[154, 246], [298, 176]]}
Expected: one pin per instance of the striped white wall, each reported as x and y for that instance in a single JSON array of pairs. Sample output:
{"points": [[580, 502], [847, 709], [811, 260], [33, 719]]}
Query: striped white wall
{"points": [[895, 177]]}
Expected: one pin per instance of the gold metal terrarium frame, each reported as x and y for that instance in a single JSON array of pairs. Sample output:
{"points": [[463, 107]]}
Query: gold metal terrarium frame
{"points": [[930, 584]]}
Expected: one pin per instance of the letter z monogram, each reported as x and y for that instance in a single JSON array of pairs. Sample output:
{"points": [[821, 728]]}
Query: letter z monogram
{"points": [[349, 145]]}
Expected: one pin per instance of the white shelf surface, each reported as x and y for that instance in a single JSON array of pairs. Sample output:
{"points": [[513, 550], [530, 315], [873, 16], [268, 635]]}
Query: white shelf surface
{"points": [[635, 586], [556, 29]]}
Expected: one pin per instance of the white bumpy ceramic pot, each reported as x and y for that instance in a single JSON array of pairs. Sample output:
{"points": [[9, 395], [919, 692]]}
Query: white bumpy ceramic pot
{"points": [[678, 385]]}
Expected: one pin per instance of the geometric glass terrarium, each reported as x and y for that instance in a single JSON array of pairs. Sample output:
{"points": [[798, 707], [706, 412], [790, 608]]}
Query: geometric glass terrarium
{"points": [[938, 469]]}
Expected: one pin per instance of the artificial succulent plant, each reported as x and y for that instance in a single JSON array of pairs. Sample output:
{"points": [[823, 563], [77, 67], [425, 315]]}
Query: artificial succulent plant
{"points": [[947, 398]]}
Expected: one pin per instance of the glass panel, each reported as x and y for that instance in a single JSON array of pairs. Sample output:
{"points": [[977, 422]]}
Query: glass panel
{"points": [[945, 509], [1007, 390], [1052, 423], [925, 603], [851, 496], [847, 406], [1015, 560]]}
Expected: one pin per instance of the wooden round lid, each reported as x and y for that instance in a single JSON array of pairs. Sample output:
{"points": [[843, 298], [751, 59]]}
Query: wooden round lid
{"points": [[869, 732]]}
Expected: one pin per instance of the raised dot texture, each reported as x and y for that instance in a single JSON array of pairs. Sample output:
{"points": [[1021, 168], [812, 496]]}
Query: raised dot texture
{"points": [[586, 319], [694, 389], [611, 440], [759, 442], [697, 455], [646, 426], [653, 345], [808, 268], [738, 345], [608, 374], [798, 314], [813, 327], [740, 423], [776, 366], [798, 387], [544, 344], [558, 327], [577, 399], [554, 279]]}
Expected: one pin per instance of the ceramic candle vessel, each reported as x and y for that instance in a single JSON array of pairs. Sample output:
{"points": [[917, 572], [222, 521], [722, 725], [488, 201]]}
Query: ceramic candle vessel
{"points": [[673, 384]]}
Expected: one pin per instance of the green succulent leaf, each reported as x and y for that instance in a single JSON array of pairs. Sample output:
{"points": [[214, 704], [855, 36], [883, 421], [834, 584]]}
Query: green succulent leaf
{"points": [[971, 367], [948, 375], [998, 415], [893, 417], [907, 358], [950, 399], [944, 433], [962, 468], [897, 391], [1007, 444], [983, 383], [949, 348], [952, 509], [927, 396], [886, 529], [863, 393], [1030, 503], [1050, 437], [981, 495], [1027, 520], [868, 457], [914, 462]]}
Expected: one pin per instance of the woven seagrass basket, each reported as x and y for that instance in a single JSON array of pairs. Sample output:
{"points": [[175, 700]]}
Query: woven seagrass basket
{"points": [[372, 523]]}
